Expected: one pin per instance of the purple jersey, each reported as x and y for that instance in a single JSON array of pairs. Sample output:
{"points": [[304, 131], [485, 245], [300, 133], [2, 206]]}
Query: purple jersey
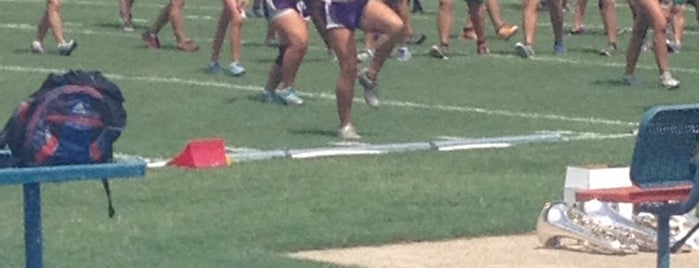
{"points": [[277, 8], [344, 13]]}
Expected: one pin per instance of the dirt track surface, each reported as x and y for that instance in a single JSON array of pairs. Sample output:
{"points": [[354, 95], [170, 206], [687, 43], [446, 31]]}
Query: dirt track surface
{"points": [[490, 252]]}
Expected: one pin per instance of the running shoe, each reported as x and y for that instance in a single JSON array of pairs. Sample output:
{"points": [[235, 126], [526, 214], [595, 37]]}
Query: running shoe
{"points": [[213, 68], [439, 51], [289, 97], [37, 47], [403, 54], [631, 80], [348, 133], [524, 51], [270, 97], [673, 47], [608, 51], [506, 31], [365, 55], [669, 82], [236, 69], [559, 49], [127, 26], [417, 39], [151, 40], [65, 48], [371, 89]]}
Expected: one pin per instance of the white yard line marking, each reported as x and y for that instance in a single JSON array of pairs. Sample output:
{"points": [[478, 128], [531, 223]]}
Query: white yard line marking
{"points": [[448, 108]]}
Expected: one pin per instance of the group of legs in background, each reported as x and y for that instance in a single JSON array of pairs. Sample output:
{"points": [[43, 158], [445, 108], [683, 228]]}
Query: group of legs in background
{"points": [[386, 25]]}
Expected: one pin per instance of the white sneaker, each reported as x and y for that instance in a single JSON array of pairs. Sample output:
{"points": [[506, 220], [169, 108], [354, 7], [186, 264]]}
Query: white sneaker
{"points": [[37, 47], [365, 56], [65, 48], [403, 54], [371, 89], [348, 133], [289, 96], [236, 69], [669, 82]]}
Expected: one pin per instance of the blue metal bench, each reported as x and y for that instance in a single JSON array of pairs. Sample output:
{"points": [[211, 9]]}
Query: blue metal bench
{"points": [[31, 179], [663, 170]]}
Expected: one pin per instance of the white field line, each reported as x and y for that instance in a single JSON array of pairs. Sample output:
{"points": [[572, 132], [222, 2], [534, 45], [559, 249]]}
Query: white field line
{"points": [[567, 136], [402, 104]]}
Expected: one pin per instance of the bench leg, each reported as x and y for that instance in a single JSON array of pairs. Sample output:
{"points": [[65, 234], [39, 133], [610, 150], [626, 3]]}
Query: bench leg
{"points": [[663, 240], [33, 248]]}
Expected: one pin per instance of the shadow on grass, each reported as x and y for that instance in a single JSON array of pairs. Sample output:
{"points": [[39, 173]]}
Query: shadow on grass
{"points": [[314, 132], [611, 82]]}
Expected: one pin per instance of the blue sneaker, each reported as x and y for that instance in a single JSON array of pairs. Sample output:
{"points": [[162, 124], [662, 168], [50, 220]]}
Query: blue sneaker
{"points": [[213, 68], [289, 96], [236, 69], [559, 49], [270, 97], [631, 80]]}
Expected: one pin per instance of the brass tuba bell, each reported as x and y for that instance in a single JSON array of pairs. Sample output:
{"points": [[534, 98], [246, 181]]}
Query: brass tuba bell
{"points": [[646, 238], [558, 221]]}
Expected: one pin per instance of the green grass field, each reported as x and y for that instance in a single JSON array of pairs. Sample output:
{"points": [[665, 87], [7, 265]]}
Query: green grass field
{"points": [[250, 214]]}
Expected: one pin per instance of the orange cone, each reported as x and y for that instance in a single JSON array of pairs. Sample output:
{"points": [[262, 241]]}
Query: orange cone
{"points": [[202, 153]]}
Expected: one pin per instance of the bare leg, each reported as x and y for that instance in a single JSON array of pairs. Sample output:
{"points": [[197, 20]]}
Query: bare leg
{"points": [[235, 29], [493, 8], [294, 35], [342, 42], [638, 35], [556, 12], [380, 18], [477, 15], [217, 43], [579, 16], [529, 18], [43, 27], [177, 20], [53, 12], [444, 20], [163, 17], [609, 20]]}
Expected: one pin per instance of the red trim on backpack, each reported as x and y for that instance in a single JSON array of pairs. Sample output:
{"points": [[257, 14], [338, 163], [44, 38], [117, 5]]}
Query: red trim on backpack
{"points": [[47, 150], [95, 153]]}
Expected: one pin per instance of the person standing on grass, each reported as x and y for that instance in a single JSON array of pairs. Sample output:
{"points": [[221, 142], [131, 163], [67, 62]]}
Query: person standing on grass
{"points": [[231, 20], [286, 16], [649, 13], [555, 7], [474, 26], [172, 12], [52, 19], [342, 18], [125, 7], [607, 10]]}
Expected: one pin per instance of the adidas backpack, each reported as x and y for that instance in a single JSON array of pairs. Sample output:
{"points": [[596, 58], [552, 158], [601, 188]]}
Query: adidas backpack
{"points": [[72, 119]]}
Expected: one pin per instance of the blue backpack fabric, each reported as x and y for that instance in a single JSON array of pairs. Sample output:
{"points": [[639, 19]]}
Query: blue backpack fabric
{"points": [[74, 118]]}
